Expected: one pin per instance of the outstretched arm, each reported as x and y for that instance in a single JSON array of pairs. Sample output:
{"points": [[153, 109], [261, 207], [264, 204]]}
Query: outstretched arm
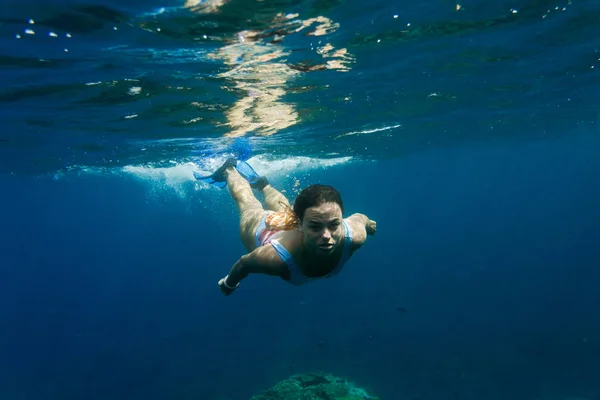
{"points": [[263, 260], [361, 227]]}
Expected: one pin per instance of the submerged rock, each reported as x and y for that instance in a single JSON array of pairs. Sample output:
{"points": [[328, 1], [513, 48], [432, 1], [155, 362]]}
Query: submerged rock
{"points": [[314, 386]]}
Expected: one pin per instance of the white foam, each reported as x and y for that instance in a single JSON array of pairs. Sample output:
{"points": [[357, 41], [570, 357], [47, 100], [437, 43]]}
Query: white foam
{"points": [[176, 178], [282, 167], [180, 176]]}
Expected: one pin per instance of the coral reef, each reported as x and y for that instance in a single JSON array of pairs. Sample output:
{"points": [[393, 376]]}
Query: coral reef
{"points": [[314, 386]]}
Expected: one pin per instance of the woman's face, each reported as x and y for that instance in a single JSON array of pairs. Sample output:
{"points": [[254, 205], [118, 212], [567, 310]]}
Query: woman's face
{"points": [[322, 227]]}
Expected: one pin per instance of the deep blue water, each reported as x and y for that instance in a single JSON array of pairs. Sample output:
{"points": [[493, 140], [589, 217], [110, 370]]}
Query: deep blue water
{"points": [[471, 136]]}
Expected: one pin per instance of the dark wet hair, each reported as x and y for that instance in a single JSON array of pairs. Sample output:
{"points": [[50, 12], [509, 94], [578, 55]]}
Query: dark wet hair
{"points": [[314, 196]]}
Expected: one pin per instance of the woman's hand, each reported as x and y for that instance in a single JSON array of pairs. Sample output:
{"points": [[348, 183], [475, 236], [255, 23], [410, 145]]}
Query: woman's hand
{"points": [[225, 288], [371, 227]]}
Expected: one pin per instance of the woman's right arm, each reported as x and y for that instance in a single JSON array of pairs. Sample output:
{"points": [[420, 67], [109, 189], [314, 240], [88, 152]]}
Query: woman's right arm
{"points": [[263, 260]]}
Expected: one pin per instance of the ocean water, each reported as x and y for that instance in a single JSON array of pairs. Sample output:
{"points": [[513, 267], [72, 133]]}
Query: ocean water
{"points": [[469, 132]]}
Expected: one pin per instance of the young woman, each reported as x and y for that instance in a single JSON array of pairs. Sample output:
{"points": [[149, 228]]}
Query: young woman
{"points": [[310, 241]]}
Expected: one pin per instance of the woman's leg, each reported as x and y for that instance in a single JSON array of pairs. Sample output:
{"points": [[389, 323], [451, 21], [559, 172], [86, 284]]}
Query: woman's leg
{"points": [[274, 199], [251, 210]]}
